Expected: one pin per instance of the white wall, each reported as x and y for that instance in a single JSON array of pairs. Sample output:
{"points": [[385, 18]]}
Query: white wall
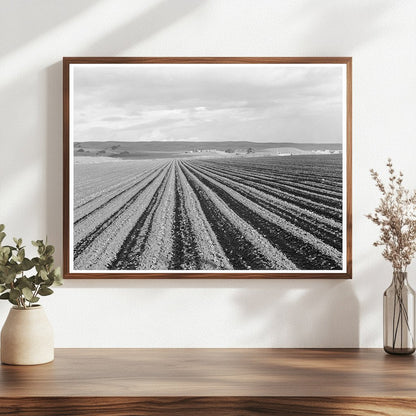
{"points": [[380, 35]]}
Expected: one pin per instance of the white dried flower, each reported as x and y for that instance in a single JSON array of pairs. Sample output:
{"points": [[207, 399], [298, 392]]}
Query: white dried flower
{"points": [[396, 217]]}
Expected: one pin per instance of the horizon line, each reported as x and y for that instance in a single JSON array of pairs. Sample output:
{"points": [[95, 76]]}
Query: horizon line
{"points": [[200, 141]]}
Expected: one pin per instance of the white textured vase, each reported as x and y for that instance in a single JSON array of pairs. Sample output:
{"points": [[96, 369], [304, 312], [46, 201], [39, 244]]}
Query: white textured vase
{"points": [[27, 337]]}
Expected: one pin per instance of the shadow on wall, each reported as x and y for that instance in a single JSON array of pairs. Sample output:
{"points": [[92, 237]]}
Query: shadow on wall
{"points": [[153, 20], [157, 18], [37, 18], [301, 313], [54, 145], [340, 36], [375, 276]]}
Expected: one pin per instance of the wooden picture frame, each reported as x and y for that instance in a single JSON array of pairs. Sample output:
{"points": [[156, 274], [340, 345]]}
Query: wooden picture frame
{"points": [[199, 129]]}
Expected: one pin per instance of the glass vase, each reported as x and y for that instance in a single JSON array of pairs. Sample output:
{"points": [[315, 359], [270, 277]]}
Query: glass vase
{"points": [[399, 316]]}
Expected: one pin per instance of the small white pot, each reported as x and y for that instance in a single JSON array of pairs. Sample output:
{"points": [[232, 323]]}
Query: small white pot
{"points": [[27, 337]]}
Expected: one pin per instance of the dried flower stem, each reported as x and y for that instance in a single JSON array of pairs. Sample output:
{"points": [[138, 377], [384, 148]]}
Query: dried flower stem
{"points": [[396, 217]]}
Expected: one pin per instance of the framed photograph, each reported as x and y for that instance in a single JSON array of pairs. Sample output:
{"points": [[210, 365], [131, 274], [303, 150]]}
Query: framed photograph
{"points": [[207, 168]]}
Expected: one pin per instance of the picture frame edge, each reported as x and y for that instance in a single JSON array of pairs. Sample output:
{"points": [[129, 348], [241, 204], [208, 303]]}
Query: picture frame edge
{"points": [[348, 274]]}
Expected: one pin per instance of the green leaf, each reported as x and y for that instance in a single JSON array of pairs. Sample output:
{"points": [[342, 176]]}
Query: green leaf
{"points": [[4, 255], [27, 293], [37, 243], [26, 264], [9, 277], [48, 282], [49, 250], [13, 302], [43, 274], [15, 293], [2, 288], [5, 249], [7, 296], [11, 248], [2, 227], [45, 291], [21, 255], [24, 282], [2, 236], [58, 281], [38, 280], [18, 242], [35, 261], [48, 260]]}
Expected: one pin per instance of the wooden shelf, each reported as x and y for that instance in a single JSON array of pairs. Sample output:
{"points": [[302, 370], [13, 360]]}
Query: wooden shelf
{"points": [[212, 382]]}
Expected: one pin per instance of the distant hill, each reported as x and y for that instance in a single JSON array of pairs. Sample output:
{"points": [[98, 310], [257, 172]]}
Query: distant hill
{"points": [[113, 148]]}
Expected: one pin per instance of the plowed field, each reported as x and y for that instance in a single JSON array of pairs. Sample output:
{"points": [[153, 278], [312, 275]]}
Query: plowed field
{"points": [[240, 213]]}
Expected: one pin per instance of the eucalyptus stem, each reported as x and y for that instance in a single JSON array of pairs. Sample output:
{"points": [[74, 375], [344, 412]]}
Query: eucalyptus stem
{"points": [[23, 280]]}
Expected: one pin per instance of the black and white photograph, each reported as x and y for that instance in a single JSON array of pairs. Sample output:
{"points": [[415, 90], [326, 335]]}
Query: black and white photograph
{"points": [[208, 167]]}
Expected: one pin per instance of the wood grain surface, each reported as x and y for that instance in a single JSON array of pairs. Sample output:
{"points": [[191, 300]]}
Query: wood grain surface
{"points": [[212, 381], [208, 406]]}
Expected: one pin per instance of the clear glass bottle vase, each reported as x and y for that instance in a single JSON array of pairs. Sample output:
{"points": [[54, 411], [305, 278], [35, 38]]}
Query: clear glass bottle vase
{"points": [[399, 316]]}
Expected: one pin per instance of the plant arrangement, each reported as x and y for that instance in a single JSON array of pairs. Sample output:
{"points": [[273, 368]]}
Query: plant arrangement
{"points": [[24, 280], [396, 217]]}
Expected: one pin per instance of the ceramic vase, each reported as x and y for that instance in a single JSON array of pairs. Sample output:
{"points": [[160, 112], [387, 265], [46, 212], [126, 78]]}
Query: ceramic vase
{"points": [[27, 337]]}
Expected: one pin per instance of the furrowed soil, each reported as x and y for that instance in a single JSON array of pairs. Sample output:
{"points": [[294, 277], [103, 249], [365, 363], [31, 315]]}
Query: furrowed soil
{"points": [[240, 213]]}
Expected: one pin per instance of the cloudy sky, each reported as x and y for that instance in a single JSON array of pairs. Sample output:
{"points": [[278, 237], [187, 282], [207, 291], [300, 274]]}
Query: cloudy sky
{"points": [[260, 103]]}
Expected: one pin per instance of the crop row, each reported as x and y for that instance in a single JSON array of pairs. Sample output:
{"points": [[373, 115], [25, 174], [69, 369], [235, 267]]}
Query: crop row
{"points": [[327, 229], [202, 214]]}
